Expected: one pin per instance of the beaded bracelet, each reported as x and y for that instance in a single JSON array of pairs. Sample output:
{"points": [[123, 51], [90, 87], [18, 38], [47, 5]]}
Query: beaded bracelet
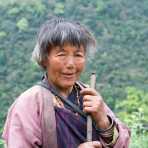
{"points": [[109, 128], [108, 133], [112, 143]]}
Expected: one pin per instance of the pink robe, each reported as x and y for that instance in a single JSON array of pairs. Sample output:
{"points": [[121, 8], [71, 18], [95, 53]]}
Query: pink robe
{"points": [[23, 125]]}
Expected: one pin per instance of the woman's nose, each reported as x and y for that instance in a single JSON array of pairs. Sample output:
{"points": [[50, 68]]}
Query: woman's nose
{"points": [[70, 62]]}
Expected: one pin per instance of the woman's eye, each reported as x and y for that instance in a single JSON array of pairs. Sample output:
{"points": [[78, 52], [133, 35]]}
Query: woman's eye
{"points": [[61, 54], [79, 55]]}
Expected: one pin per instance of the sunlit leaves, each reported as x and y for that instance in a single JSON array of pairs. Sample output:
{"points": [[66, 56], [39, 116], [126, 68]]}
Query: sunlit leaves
{"points": [[39, 7], [59, 8], [22, 24], [13, 11], [3, 34], [135, 103], [100, 5]]}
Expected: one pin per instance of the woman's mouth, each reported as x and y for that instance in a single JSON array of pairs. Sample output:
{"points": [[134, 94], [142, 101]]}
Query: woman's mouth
{"points": [[69, 75]]}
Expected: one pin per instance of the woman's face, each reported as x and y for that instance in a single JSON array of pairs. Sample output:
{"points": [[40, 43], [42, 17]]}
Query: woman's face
{"points": [[64, 65]]}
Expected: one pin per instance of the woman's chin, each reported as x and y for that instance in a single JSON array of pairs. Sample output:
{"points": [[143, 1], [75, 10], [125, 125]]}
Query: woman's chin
{"points": [[68, 84]]}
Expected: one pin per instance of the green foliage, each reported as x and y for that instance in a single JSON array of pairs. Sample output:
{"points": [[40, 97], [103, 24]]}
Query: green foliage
{"points": [[3, 34], [39, 7], [1, 141], [100, 5], [13, 11], [22, 24], [133, 106], [138, 135], [59, 8], [133, 111]]}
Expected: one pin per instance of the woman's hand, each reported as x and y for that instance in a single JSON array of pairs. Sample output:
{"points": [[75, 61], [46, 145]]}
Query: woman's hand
{"points": [[93, 103], [92, 144]]}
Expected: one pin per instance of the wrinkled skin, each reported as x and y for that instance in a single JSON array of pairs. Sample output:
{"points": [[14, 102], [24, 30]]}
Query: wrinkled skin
{"points": [[64, 66]]}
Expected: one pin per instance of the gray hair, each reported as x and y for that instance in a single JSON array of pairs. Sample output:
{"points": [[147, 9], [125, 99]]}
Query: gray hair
{"points": [[57, 31]]}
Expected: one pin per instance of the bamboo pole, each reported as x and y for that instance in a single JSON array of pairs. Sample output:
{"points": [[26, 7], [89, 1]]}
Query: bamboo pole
{"points": [[89, 119]]}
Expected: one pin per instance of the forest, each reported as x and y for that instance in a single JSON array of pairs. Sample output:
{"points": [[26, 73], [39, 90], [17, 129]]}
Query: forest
{"points": [[120, 59]]}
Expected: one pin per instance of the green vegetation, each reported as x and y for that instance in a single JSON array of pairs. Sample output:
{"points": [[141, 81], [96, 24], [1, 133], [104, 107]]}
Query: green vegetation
{"points": [[120, 59], [133, 111]]}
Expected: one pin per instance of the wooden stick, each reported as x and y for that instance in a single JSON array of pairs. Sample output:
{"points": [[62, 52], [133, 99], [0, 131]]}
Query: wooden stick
{"points": [[89, 119]]}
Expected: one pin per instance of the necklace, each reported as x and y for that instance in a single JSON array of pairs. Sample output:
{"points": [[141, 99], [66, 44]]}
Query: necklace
{"points": [[76, 99]]}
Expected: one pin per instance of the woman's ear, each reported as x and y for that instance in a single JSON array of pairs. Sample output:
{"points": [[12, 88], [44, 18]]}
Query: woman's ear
{"points": [[44, 63]]}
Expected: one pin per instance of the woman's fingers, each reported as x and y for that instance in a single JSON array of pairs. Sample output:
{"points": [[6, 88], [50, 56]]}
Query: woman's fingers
{"points": [[88, 91], [91, 104], [96, 144], [87, 103], [88, 106], [87, 98]]}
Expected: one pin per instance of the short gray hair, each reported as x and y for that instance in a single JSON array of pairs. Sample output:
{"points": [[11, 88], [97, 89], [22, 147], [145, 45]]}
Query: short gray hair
{"points": [[57, 31]]}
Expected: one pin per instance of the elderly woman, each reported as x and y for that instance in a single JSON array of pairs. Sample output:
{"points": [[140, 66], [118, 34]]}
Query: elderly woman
{"points": [[53, 112]]}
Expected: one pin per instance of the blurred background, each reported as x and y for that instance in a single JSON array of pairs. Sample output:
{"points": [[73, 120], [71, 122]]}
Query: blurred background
{"points": [[120, 59]]}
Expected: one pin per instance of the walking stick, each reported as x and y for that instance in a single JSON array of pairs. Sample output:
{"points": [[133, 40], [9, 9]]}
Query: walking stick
{"points": [[89, 119]]}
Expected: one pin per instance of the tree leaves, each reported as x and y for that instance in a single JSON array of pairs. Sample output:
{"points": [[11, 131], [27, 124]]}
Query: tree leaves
{"points": [[22, 24]]}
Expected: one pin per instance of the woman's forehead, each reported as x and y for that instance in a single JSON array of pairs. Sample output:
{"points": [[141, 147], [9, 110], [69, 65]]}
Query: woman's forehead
{"points": [[68, 46]]}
